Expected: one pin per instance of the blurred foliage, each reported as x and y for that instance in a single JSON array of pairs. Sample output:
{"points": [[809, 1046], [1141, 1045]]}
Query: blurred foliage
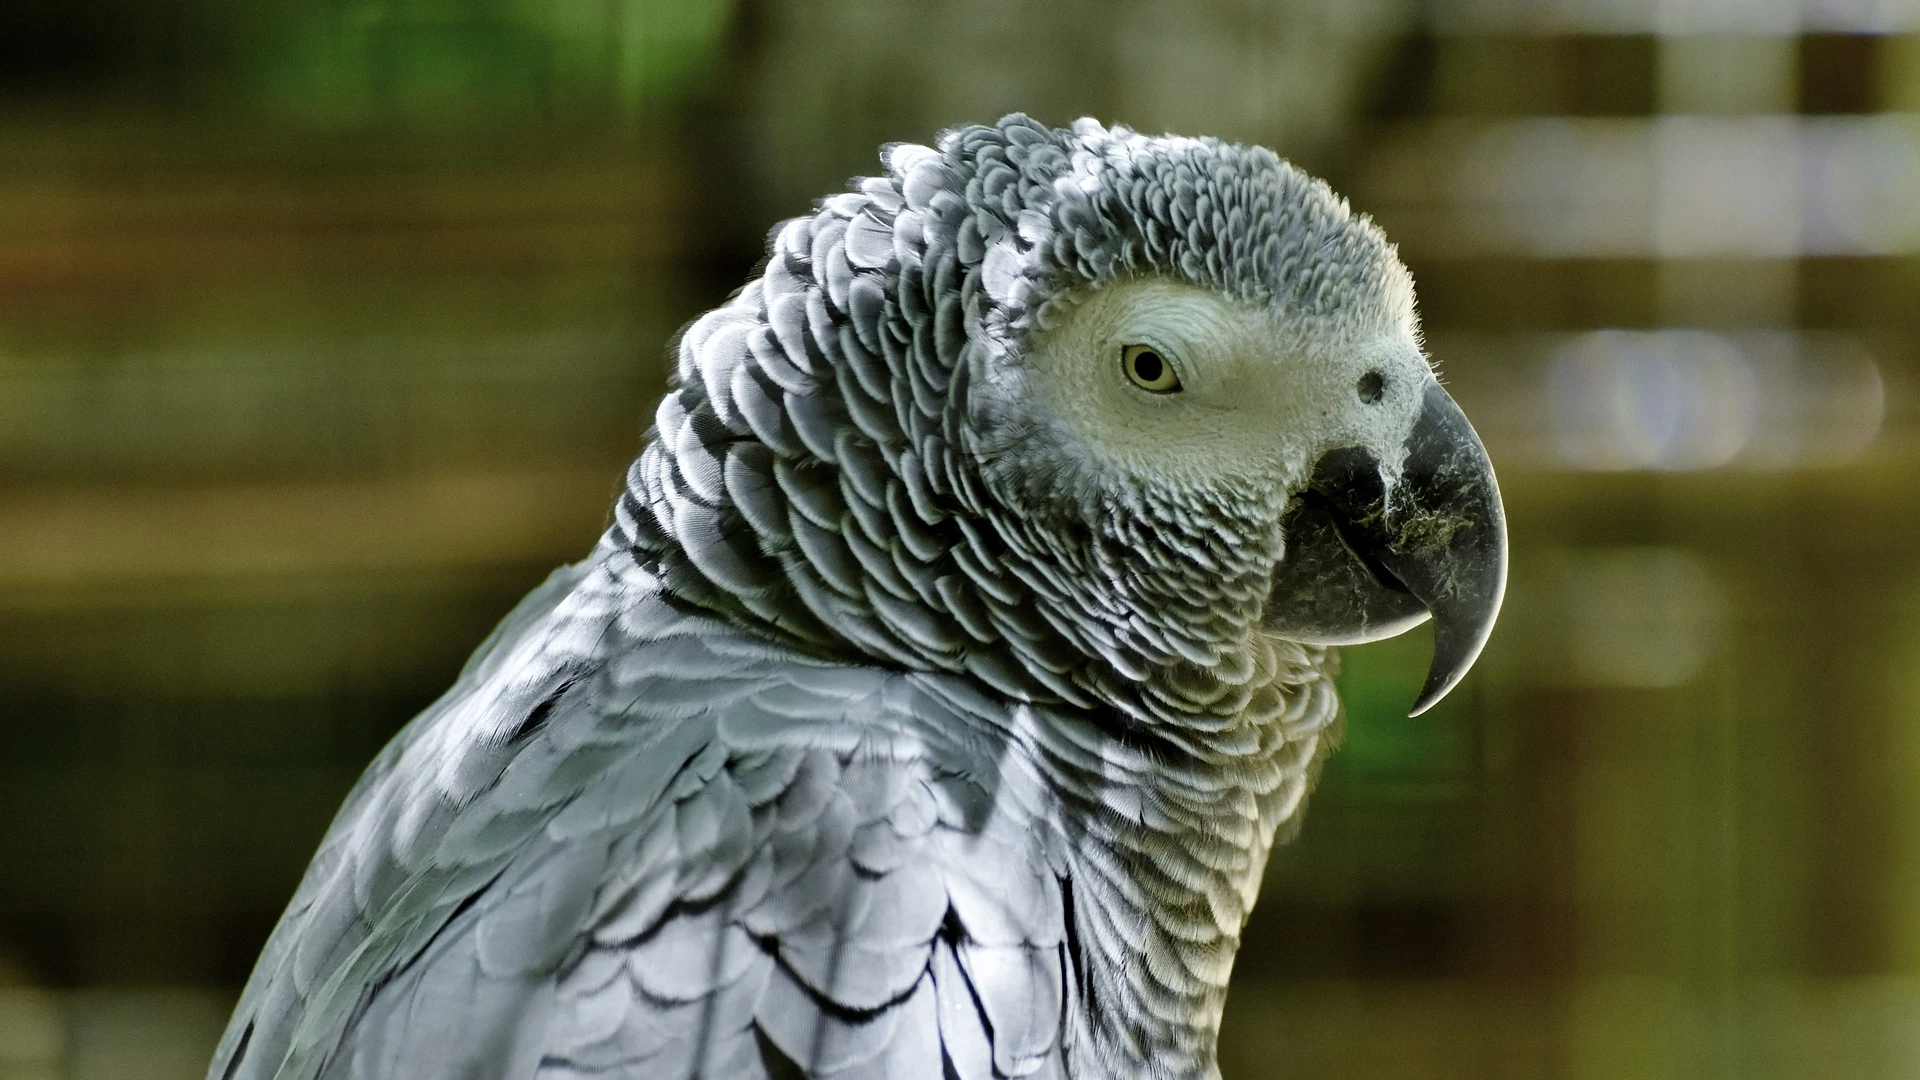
{"points": [[352, 61], [356, 62], [1427, 756]]}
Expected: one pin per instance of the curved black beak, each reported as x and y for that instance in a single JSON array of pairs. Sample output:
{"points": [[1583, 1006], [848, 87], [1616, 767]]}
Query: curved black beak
{"points": [[1364, 564]]}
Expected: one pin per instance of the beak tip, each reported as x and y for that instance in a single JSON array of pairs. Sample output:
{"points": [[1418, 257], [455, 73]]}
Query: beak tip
{"points": [[1441, 679], [1432, 694], [1458, 638]]}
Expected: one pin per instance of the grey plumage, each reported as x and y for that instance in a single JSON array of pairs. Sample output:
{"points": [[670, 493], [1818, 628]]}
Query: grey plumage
{"points": [[887, 732]]}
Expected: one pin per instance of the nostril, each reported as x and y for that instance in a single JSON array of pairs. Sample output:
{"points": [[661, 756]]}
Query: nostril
{"points": [[1372, 386]]}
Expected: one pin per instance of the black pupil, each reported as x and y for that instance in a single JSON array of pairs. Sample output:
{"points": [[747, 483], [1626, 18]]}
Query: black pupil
{"points": [[1147, 365]]}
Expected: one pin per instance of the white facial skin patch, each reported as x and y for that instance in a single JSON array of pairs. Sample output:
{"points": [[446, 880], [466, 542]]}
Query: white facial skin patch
{"points": [[1259, 399]]}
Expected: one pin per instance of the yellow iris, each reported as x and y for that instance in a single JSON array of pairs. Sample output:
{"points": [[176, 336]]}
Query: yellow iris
{"points": [[1148, 370]]}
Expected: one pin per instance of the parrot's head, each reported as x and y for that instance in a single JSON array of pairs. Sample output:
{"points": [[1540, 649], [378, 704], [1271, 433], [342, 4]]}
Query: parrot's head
{"points": [[1196, 354], [1092, 416]]}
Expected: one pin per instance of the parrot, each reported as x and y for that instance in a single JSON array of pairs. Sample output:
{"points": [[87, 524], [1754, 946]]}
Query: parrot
{"points": [[961, 643]]}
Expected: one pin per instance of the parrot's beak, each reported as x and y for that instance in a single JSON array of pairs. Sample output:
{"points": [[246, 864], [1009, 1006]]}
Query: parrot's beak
{"points": [[1362, 564]]}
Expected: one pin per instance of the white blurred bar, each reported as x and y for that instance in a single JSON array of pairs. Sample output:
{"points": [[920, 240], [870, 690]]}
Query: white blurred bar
{"points": [[1675, 18], [1664, 187], [1675, 400]]}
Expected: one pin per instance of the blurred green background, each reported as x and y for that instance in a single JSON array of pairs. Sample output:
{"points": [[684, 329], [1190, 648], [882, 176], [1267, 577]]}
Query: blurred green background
{"points": [[327, 327]]}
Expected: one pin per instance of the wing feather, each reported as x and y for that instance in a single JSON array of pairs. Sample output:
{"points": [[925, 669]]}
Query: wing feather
{"points": [[693, 860]]}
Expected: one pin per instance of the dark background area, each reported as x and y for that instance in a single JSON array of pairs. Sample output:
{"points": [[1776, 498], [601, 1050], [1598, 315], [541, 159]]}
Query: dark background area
{"points": [[328, 326]]}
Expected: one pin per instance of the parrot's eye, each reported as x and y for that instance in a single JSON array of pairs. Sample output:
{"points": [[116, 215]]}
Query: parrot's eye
{"points": [[1148, 370]]}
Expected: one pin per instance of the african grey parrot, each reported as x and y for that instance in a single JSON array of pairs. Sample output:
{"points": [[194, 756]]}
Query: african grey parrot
{"points": [[956, 655]]}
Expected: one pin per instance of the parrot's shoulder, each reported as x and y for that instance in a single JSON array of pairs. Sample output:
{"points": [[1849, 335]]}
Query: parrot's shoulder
{"points": [[628, 832], [382, 855]]}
